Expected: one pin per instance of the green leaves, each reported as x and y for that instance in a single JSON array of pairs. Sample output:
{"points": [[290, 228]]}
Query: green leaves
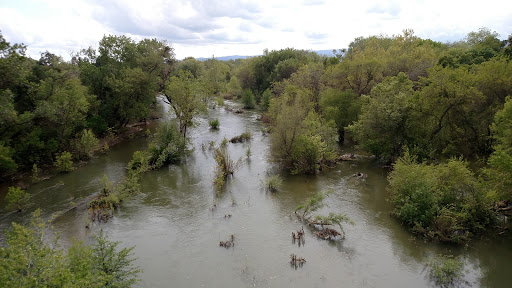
{"points": [[442, 201], [183, 95], [17, 199], [63, 162], [28, 261]]}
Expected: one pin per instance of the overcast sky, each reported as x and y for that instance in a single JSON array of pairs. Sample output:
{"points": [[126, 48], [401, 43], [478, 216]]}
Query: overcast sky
{"points": [[201, 28]]}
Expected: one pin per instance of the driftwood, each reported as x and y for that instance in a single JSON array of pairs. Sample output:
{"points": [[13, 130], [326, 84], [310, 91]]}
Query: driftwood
{"points": [[228, 243], [327, 233], [298, 236], [296, 261], [347, 157]]}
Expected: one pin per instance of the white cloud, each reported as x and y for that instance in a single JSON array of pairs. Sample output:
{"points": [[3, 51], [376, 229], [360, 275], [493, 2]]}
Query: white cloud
{"points": [[201, 28]]}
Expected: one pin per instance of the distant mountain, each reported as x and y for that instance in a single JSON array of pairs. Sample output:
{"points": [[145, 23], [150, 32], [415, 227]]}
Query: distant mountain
{"points": [[234, 57], [226, 58]]}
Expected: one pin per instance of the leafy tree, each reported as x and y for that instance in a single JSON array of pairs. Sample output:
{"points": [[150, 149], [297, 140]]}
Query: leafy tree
{"points": [[17, 199], [334, 219], [167, 145], [133, 92], [216, 75], [448, 111], [181, 94], [442, 201], [248, 99], [86, 144], [312, 204], [265, 99], [300, 139], [28, 261], [383, 126], [63, 162], [115, 265], [234, 87], [500, 162], [190, 64], [7, 164], [342, 107]]}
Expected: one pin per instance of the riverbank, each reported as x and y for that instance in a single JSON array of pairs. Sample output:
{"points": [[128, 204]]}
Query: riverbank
{"points": [[24, 179]]}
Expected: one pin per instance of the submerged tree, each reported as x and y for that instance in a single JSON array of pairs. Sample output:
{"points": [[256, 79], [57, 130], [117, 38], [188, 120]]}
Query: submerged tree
{"points": [[226, 167]]}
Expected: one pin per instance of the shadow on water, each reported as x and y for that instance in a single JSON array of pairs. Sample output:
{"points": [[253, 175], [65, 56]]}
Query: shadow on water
{"points": [[177, 221]]}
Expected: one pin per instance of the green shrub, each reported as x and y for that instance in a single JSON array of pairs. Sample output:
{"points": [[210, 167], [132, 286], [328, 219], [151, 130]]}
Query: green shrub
{"points": [[446, 271], [226, 167], [246, 136], [265, 99], [27, 260], [86, 144], [17, 199], [312, 204], [63, 162], [167, 146], [214, 124], [248, 99], [441, 201], [7, 164], [273, 183], [35, 174]]}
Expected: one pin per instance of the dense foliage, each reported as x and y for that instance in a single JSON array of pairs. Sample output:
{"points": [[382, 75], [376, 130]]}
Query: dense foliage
{"points": [[441, 201], [50, 105], [28, 261]]}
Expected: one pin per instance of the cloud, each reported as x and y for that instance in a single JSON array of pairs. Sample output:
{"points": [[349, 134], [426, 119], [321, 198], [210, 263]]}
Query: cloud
{"points": [[202, 28]]}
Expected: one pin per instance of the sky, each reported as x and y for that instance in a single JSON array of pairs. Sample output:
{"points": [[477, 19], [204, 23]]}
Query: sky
{"points": [[201, 28]]}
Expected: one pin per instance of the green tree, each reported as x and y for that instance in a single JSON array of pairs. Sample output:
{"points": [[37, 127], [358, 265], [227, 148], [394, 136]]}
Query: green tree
{"points": [[133, 92], [27, 260], [7, 164], [498, 172], [17, 199], [248, 99], [181, 94], [167, 145], [342, 107], [63, 162], [234, 87], [86, 144], [441, 201], [115, 264], [383, 126]]}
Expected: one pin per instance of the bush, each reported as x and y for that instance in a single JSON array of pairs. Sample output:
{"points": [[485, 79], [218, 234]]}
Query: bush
{"points": [[273, 183], [17, 199], [265, 99], [86, 144], [441, 201], [167, 146], [226, 167], [28, 261], [446, 271], [214, 124], [63, 162], [246, 136], [7, 164], [248, 99]]}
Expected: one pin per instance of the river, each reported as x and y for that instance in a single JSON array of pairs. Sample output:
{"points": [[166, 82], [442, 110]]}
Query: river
{"points": [[177, 221]]}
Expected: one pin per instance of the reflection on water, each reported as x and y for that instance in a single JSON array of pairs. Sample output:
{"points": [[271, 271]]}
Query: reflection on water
{"points": [[177, 222]]}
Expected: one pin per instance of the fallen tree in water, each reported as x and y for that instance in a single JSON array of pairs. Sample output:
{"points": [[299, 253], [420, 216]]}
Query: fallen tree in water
{"points": [[318, 222]]}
